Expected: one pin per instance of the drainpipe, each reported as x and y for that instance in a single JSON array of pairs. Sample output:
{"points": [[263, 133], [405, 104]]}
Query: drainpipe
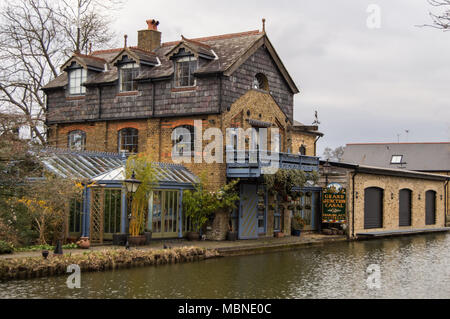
{"points": [[153, 97], [353, 201], [315, 145]]}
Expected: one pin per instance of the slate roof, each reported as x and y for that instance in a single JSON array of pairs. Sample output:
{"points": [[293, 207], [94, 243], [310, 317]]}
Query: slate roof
{"points": [[227, 51], [425, 157]]}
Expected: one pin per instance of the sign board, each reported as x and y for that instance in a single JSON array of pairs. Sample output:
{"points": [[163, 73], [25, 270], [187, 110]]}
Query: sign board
{"points": [[334, 203]]}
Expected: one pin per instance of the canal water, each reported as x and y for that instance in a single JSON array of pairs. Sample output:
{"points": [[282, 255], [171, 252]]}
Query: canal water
{"points": [[411, 267]]}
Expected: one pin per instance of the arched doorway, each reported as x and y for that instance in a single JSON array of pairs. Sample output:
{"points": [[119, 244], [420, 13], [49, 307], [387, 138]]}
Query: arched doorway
{"points": [[405, 197], [373, 208]]}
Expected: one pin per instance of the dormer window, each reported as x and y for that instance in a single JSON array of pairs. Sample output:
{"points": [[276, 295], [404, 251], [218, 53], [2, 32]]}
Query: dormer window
{"points": [[184, 71], [128, 75], [76, 79]]}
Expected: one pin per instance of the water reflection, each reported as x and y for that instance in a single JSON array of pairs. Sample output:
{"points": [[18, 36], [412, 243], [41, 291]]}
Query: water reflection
{"points": [[411, 267]]}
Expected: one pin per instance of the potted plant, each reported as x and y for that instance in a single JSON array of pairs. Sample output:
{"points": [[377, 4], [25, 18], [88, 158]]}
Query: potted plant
{"points": [[199, 204], [297, 225]]}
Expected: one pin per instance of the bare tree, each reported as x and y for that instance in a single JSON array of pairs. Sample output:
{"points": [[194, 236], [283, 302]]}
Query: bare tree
{"points": [[441, 20], [36, 36], [334, 155]]}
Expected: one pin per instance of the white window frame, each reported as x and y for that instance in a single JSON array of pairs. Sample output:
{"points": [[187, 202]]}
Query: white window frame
{"points": [[128, 66], [76, 78], [188, 59]]}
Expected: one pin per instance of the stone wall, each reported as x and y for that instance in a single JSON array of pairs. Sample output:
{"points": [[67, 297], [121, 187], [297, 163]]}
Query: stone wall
{"points": [[308, 140]]}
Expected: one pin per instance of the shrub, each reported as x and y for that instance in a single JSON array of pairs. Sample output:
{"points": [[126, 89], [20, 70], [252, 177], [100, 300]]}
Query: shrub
{"points": [[6, 248]]}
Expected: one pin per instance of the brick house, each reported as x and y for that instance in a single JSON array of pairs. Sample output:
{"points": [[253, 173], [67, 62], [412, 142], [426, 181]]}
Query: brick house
{"points": [[131, 100]]}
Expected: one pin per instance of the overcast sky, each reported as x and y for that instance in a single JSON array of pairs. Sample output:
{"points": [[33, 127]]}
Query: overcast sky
{"points": [[368, 85]]}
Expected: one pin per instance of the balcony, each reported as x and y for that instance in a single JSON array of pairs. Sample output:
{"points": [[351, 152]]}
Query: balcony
{"points": [[252, 164]]}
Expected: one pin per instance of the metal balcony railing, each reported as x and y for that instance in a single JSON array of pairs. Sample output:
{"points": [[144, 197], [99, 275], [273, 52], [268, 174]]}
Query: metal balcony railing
{"points": [[247, 164]]}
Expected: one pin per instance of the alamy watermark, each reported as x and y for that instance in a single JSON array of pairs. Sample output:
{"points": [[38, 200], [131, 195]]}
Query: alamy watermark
{"points": [[74, 280], [241, 146], [374, 277], [374, 18]]}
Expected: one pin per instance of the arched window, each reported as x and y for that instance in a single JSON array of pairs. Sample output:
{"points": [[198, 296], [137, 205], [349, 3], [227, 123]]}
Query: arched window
{"points": [[405, 203], [260, 82], [302, 150], [430, 216], [183, 138], [128, 140], [77, 141], [373, 208]]}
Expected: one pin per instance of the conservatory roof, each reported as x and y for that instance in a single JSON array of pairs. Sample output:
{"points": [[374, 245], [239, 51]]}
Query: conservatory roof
{"points": [[107, 168], [79, 165], [166, 174]]}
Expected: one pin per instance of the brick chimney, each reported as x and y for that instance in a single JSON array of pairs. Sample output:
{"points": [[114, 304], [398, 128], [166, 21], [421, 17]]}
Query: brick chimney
{"points": [[150, 39]]}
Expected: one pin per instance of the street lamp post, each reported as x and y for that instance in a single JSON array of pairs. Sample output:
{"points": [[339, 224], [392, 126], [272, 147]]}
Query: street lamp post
{"points": [[131, 186]]}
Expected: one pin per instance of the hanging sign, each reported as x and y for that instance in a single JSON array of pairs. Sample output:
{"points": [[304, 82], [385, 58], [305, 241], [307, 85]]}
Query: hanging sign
{"points": [[334, 204]]}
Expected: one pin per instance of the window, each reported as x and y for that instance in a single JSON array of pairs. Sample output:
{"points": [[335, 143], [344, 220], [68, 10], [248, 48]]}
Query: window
{"points": [[112, 211], [75, 216], [260, 82], [77, 141], [128, 75], [277, 220], [185, 68], [397, 159], [76, 78], [128, 140], [183, 144]]}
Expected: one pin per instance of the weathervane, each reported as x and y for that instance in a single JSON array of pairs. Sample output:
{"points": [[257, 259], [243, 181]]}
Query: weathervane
{"points": [[316, 121]]}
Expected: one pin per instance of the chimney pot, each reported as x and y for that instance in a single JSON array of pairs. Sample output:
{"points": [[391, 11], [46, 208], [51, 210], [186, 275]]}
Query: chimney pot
{"points": [[152, 24]]}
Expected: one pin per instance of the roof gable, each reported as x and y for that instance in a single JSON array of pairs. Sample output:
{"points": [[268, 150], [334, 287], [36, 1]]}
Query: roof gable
{"points": [[86, 61]]}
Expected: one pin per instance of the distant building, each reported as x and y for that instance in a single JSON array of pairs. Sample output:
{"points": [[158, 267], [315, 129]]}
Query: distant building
{"points": [[420, 157]]}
